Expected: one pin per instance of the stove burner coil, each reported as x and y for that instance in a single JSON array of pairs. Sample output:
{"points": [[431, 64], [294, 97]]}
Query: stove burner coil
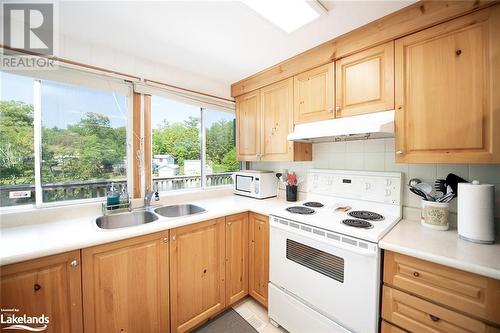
{"points": [[357, 223], [300, 210], [366, 215], [313, 204]]}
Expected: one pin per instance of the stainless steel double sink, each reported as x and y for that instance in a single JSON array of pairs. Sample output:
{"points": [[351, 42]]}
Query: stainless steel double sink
{"points": [[143, 216]]}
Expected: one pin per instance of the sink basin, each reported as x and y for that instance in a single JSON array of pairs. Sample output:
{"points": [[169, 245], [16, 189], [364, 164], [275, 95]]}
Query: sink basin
{"points": [[179, 210], [122, 220]]}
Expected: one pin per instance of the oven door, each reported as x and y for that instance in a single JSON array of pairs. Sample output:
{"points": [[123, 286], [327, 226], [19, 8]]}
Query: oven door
{"points": [[336, 278]]}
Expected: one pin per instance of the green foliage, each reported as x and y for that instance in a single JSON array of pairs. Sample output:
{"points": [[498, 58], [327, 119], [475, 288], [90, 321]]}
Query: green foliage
{"points": [[182, 140], [16, 143], [89, 149]]}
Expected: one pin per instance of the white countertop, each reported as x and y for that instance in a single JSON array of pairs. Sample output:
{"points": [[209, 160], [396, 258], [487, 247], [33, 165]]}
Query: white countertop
{"points": [[443, 247], [30, 241], [38, 240]]}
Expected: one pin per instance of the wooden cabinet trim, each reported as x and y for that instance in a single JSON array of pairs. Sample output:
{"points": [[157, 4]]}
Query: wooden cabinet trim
{"points": [[258, 267], [416, 17]]}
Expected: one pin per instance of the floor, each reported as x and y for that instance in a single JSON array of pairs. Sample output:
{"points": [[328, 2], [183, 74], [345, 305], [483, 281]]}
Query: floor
{"points": [[256, 315]]}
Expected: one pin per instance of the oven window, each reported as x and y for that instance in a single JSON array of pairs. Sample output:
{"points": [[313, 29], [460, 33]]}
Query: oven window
{"points": [[317, 260]]}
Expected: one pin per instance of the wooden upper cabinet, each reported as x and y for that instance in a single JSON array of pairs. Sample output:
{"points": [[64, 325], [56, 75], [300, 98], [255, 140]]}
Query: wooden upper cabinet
{"points": [[447, 92], [248, 126], [365, 81], [277, 120], [259, 257], [313, 94], [236, 257], [49, 286], [125, 285], [197, 270]]}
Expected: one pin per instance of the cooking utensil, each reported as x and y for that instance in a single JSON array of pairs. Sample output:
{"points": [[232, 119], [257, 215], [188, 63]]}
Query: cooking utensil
{"points": [[452, 180], [414, 181], [446, 198], [440, 185], [418, 192], [427, 188]]}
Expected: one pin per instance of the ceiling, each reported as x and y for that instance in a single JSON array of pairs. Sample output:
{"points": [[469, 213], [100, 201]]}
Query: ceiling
{"points": [[222, 40]]}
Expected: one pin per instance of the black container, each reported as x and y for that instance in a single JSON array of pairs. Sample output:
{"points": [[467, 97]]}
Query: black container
{"points": [[291, 193]]}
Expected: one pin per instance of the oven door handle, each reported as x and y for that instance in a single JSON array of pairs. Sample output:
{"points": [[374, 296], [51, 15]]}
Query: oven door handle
{"points": [[337, 244]]}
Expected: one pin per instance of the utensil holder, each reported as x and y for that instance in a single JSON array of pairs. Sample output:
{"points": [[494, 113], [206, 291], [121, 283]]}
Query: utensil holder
{"points": [[435, 215], [291, 193]]}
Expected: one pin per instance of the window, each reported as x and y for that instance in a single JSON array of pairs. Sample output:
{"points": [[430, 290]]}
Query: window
{"points": [[17, 168], [81, 132], [193, 147]]}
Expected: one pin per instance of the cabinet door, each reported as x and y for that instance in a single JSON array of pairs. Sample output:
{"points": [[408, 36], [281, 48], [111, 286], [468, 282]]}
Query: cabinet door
{"points": [[313, 94], [365, 81], [248, 126], [236, 257], [277, 121], [49, 286], [125, 285], [447, 84], [259, 257], [197, 270]]}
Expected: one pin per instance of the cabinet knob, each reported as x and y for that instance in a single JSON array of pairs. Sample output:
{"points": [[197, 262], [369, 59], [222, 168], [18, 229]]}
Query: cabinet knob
{"points": [[416, 274], [337, 108], [228, 223], [399, 152], [434, 318], [458, 52], [36, 287], [173, 237], [165, 239], [73, 263], [330, 110]]}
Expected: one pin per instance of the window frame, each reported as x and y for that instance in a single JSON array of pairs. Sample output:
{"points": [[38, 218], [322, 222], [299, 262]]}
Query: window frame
{"points": [[37, 151]]}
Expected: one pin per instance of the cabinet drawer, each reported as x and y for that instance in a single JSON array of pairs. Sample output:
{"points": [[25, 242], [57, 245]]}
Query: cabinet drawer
{"points": [[389, 328], [469, 293], [416, 315]]}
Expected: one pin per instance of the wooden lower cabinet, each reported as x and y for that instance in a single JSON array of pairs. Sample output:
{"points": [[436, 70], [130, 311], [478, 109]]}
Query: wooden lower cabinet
{"points": [[126, 285], [418, 315], [49, 286], [197, 273], [236, 257], [258, 257]]}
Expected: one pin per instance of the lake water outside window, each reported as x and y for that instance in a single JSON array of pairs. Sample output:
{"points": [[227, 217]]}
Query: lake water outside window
{"points": [[177, 159]]}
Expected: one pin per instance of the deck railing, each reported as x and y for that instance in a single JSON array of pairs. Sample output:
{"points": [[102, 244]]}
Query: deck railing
{"points": [[98, 188]]}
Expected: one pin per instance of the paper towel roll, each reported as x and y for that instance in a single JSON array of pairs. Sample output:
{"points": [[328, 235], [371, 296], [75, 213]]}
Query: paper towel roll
{"points": [[476, 210]]}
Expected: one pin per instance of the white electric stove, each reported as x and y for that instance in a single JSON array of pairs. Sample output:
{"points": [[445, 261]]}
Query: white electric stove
{"points": [[324, 256]]}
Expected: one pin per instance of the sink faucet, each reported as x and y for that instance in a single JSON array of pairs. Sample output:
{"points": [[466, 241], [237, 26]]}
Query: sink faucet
{"points": [[149, 195]]}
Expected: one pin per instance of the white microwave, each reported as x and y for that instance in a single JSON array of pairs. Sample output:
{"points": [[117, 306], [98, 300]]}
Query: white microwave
{"points": [[255, 184]]}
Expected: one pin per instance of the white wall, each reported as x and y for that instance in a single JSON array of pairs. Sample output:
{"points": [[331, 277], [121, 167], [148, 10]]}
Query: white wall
{"points": [[378, 155], [105, 57]]}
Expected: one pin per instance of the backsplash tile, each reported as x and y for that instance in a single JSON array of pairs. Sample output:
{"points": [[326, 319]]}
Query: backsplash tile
{"points": [[379, 155]]}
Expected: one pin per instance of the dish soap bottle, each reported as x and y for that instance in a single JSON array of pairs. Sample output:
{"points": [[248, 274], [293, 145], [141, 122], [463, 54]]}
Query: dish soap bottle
{"points": [[113, 197]]}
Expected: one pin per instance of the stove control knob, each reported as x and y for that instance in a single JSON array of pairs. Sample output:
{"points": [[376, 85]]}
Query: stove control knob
{"points": [[330, 181], [387, 193], [388, 182], [367, 186]]}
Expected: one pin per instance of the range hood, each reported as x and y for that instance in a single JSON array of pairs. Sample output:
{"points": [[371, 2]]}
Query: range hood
{"points": [[367, 126]]}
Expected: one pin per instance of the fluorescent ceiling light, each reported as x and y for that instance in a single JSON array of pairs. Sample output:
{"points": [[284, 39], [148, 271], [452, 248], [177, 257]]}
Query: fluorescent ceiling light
{"points": [[288, 15]]}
